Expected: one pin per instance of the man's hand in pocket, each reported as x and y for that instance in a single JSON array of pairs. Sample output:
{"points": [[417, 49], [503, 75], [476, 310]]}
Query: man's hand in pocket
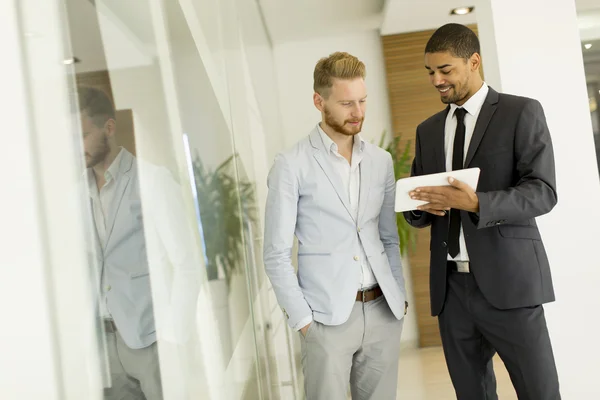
{"points": [[305, 329]]}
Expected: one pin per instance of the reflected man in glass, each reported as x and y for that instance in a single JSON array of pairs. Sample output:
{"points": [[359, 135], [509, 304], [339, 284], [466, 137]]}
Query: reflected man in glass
{"points": [[125, 294]]}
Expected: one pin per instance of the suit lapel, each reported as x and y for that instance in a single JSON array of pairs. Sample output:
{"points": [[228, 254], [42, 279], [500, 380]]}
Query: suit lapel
{"points": [[485, 115], [319, 153], [439, 132], [119, 193], [365, 184]]}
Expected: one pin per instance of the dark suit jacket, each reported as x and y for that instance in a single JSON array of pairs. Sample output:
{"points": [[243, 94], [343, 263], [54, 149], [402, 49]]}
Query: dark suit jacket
{"points": [[511, 145]]}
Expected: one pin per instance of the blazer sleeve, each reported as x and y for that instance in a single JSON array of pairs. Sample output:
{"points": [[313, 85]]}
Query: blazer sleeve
{"points": [[418, 219], [388, 228], [535, 191], [280, 222]]}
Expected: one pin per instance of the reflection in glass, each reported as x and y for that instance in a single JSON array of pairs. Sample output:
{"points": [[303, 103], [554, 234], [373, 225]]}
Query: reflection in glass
{"points": [[125, 298], [183, 307], [591, 62], [224, 203]]}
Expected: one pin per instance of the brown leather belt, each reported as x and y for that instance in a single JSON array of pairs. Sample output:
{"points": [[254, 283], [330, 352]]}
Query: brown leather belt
{"points": [[365, 296], [109, 326]]}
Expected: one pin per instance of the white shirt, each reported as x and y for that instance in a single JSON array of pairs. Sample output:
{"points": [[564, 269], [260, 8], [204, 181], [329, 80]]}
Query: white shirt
{"points": [[101, 201], [350, 176], [473, 107]]}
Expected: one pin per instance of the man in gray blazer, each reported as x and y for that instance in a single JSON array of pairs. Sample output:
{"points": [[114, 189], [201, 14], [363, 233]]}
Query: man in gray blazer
{"points": [[489, 270], [335, 192], [125, 296]]}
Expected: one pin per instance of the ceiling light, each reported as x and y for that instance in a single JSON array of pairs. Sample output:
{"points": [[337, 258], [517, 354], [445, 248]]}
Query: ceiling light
{"points": [[587, 46], [71, 61], [462, 11]]}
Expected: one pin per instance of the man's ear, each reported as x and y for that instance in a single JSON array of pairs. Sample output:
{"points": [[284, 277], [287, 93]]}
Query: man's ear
{"points": [[318, 101], [475, 61], [111, 127]]}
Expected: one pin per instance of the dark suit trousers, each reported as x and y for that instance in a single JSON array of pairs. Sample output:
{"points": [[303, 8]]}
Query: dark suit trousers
{"points": [[472, 330]]}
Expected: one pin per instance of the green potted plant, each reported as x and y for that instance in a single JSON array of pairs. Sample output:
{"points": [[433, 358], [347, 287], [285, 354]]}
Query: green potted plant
{"points": [[225, 203], [402, 163]]}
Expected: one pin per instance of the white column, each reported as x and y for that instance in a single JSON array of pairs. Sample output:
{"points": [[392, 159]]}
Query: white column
{"points": [[532, 48], [28, 363]]}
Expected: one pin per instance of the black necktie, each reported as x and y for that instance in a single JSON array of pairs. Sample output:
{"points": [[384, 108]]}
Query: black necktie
{"points": [[457, 163]]}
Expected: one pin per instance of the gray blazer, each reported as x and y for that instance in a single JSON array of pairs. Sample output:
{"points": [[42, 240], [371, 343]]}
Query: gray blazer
{"points": [[124, 273], [306, 199], [512, 146]]}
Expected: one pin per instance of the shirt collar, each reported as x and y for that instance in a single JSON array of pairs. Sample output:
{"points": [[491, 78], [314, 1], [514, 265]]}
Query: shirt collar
{"points": [[474, 104], [359, 142], [113, 171]]}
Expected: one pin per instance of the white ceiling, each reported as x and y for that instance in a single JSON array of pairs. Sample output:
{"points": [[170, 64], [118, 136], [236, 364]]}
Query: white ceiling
{"points": [[286, 20], [410, 16], [292, 20], [93, 48], [402, 16]]}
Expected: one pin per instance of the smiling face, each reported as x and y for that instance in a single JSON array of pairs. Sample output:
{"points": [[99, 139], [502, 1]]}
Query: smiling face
{"points": [[455, 78]]}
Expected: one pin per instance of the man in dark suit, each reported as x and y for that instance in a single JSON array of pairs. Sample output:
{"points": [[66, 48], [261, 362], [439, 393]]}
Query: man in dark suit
{"points": [[489, 270]]}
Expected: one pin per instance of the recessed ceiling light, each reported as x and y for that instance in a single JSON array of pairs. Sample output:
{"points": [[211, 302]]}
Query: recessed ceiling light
{"points": [[70, 61], [462, 11], [587, 46]]}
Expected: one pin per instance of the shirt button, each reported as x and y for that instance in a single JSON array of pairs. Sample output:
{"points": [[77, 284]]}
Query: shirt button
{"points": [[108, 288], [358, 230], [355, 258]]}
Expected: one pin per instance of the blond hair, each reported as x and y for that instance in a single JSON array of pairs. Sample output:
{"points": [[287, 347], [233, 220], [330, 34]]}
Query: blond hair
{"points": [[339, 65]]}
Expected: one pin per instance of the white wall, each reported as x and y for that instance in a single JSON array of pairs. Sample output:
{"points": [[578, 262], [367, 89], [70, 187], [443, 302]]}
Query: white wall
{"points": [[570, 231], [294, 66]]}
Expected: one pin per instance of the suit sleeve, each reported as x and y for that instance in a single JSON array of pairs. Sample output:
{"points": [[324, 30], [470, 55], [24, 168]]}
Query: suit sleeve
{"points": [[280, 221], [535, 191], [418, 219], [388, 228]]}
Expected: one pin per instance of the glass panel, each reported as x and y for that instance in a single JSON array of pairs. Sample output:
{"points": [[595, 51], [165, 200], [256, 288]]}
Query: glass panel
{"points": [[165, 290], [167, 106], [591, 62], [68, 263], [254, 113]]}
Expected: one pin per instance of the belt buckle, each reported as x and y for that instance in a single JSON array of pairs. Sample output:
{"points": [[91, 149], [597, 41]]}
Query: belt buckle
{"points": [[463, 267], [363, 294]]}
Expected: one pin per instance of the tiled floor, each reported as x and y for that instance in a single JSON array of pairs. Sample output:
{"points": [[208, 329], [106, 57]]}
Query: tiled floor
{"points": [[423, 376]]}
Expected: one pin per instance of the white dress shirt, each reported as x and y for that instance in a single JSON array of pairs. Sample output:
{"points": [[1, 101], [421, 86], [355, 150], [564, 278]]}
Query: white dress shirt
{"points": [[101, 201], [473, 107], [350, 176]]}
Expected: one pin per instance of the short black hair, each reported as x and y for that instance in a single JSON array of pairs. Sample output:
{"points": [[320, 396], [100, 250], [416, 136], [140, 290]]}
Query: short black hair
{"points": [[96, 104], [456, 39]]}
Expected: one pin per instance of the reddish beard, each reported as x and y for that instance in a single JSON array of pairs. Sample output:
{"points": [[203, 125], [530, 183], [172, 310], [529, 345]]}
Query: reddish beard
{"points": [[344, 127]]}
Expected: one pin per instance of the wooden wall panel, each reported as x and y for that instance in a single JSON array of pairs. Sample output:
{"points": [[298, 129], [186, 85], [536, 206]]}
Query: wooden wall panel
{"points": [[413, 99]]}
